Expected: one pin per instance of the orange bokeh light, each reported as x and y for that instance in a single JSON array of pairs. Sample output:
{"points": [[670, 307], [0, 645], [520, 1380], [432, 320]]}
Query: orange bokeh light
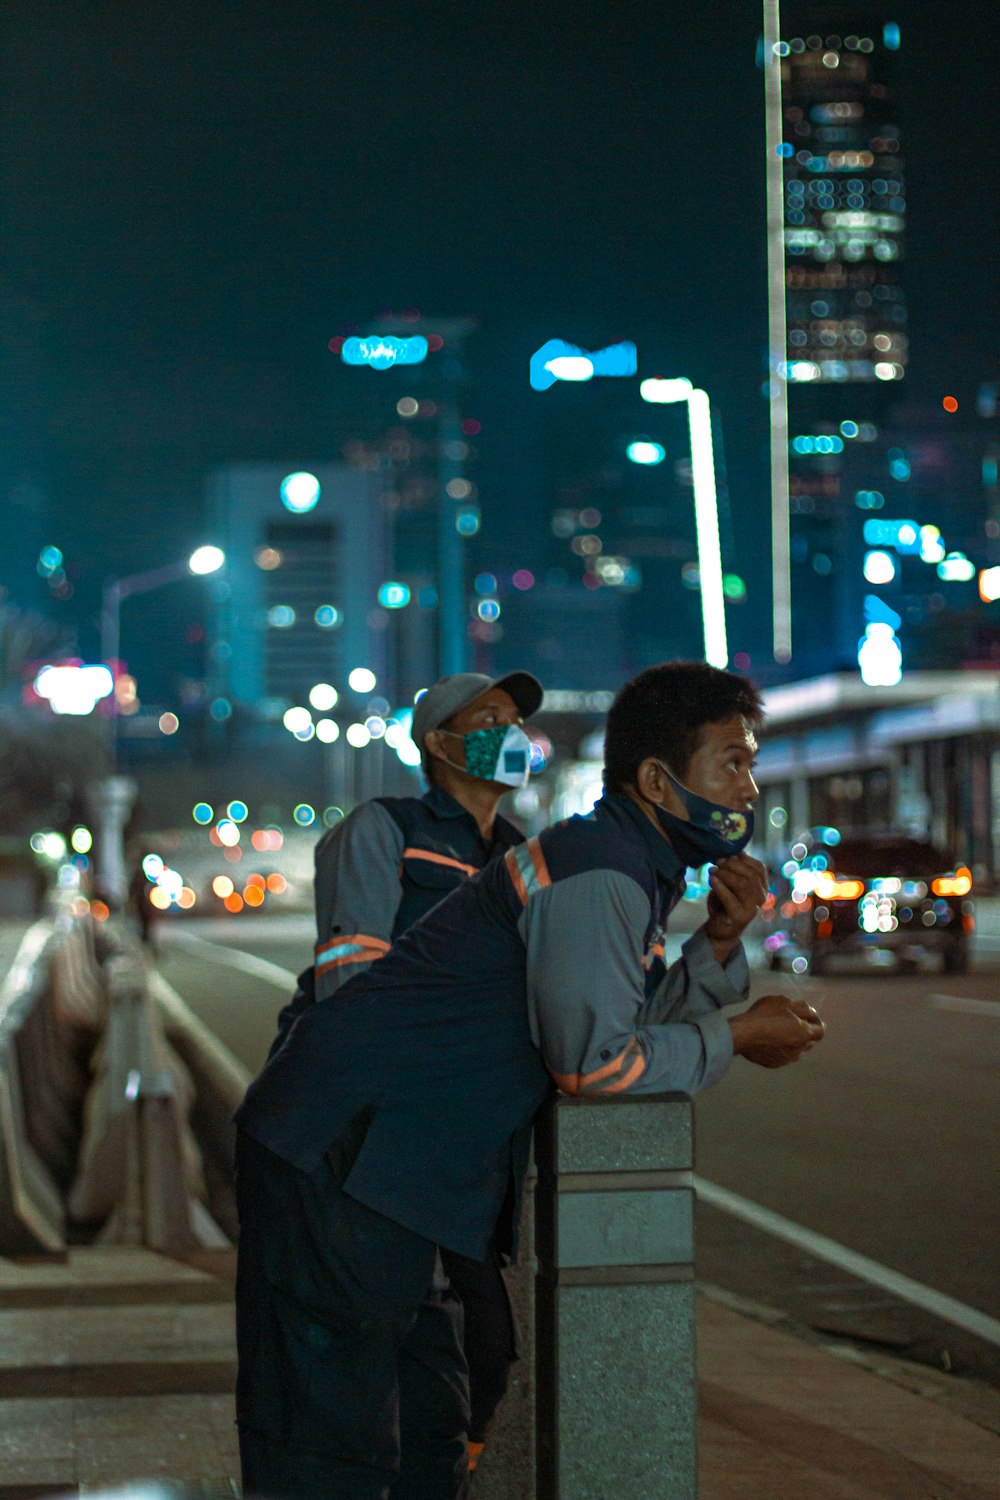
{"points": [[253, 896], [234, 902], [99, 911], [260, 839], [257, 880], [233, 855], [949, 403], [277, 884]]}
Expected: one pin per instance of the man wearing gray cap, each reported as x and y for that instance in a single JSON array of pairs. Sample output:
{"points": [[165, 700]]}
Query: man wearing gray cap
{"points": [[393, 859], [387, 864]]}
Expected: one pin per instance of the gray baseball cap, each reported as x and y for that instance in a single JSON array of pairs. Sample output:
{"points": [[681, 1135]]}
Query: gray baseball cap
{"points": [[449, 695]]}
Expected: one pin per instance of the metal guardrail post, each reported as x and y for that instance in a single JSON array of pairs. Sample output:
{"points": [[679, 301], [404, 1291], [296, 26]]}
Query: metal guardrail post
{"points": [[41, 1084], [614, 1299], [139, 1169]]}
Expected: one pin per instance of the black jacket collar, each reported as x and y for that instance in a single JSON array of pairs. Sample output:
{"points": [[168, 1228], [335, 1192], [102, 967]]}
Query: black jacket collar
{"points": [[443, 805], [666, 861]]}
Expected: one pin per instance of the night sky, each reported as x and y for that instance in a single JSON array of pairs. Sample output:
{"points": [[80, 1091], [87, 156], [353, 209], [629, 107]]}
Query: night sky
{"points": [[197, 196]]}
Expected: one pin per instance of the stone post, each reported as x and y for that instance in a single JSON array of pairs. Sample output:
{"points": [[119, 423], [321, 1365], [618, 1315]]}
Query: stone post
{"points": [[110, 804], [614, 1300]]}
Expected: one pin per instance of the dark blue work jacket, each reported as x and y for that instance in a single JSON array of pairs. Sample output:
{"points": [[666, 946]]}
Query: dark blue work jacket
{"points": [[433, 1043]]}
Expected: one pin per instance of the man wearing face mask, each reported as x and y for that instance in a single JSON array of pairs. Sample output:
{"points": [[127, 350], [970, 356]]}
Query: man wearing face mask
{"points": [[382, 869], [397, 1123], [394, 858]]}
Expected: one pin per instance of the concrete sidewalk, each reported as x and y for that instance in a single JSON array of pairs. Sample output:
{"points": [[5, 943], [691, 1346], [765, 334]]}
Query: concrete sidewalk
{"points": [[785, 1418], [118, 1365]]}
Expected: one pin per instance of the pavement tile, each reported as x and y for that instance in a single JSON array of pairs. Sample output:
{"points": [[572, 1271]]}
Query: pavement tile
{"points": [[772, 1404], [735, 1466], [33, 1429], [37, 1447], [163, 1437], [107, 1335], [114, 1264]]}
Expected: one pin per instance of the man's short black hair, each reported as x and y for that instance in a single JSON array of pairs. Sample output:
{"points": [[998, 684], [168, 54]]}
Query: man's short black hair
{"points": [[663, 711]]}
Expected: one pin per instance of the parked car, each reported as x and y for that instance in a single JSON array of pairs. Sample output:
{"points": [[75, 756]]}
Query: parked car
{"points": [[855, 893]]}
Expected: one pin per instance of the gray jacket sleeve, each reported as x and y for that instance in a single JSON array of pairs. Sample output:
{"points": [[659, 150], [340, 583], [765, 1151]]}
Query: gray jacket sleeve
{"points": [[357, 895], [697, 984], [586, 1000]]}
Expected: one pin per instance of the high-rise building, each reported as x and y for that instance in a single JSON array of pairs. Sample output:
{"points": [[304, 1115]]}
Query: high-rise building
{"points": [[305, 558], [845, 206], [417, 432], [837, 220]]}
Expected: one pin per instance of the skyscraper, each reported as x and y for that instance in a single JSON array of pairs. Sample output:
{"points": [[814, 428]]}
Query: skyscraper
{"points": [[845, 208], [838, 325], [305, 555]]}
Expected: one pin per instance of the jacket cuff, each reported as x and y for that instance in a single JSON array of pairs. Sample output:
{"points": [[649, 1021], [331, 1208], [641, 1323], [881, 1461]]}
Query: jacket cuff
{"points": [[717, 1038]]}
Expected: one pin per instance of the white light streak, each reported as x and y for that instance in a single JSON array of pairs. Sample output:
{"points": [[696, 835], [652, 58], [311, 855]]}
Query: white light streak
{"points": [[571, 367], [781, 608], [706, 514], [665, 392]]}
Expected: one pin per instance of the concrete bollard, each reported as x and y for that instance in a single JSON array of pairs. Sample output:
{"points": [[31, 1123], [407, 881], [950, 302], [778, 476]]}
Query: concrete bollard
{"points": [[616, 1396]]}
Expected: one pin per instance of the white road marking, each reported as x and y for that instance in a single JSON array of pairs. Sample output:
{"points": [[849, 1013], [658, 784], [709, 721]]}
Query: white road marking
{"points": [[966, 1004], [247, 963], [925, 1297]]}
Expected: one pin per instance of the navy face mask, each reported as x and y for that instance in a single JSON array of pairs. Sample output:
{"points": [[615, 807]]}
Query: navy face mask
{"points": [[713, 833]]}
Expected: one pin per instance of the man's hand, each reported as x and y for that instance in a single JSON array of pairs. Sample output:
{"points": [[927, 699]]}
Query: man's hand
{"points": [[737, 890], [776, 1031]]}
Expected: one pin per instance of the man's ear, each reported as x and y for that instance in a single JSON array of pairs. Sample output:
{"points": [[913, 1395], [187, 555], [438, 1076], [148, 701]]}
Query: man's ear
{"points": [[651, 780], [434, 744]]}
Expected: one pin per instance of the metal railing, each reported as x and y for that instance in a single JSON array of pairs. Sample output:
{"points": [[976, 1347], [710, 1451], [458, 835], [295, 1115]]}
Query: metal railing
{"points": [[97, 1102]]}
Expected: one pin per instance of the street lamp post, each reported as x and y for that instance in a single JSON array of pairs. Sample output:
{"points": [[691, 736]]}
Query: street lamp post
{"points": [[112, 799], [706, 507], [203, 560]]}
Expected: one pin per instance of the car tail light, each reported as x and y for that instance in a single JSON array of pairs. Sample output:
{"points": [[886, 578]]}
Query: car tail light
{"points": [[957, 884], [839, 888]]}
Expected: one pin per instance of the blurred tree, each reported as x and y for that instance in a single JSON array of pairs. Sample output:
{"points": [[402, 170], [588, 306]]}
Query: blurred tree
{"points": [[46, 765], [26, 637]]}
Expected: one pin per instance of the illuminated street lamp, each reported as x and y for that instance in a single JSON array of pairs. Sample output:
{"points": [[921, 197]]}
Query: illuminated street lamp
{"points": [[202, 561], [112, 798], [706, 507]]}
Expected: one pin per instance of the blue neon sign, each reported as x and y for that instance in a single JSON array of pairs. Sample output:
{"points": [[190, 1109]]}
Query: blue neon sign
{"points": [[904, 536], [383, 352], [619, 360], [877, 612]]}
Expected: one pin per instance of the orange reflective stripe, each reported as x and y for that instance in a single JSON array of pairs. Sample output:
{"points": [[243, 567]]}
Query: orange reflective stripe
{"points": [[439, 859], [345, 939], [515, 874], [573, 1083], [538, 860], [475, 1454], [357, 956], [635, 1071], [652, 954], [528, 869], [579, 1083], [353, 948]]}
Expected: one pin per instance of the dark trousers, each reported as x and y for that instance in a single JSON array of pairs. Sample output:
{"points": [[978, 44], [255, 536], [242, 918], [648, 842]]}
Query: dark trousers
{"points": [[352, 1381], [490, 1333]]}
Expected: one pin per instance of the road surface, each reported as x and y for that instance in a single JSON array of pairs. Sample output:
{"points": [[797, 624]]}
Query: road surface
{"points": [[884, 1141]]}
